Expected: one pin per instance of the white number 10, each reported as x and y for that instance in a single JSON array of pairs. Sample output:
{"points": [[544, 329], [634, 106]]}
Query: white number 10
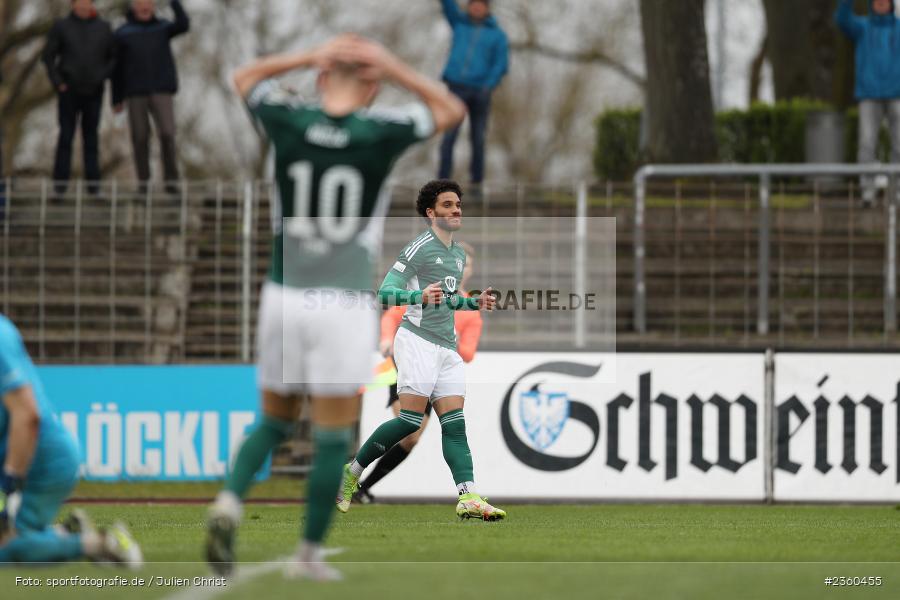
{"points": [[332, 228]]}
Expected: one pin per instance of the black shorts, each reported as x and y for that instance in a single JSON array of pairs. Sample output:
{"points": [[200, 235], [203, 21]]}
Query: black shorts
{"points": [[393, 397]]}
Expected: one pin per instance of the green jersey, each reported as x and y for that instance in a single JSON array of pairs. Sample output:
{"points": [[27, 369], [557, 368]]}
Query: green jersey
{"points": [[424, 261], [329, 172]]}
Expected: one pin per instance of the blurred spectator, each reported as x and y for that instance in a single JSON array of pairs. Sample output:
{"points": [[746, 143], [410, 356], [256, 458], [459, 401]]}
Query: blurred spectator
{"points": [[146, 79], [478, 61], [79, 57], [877, 41]]}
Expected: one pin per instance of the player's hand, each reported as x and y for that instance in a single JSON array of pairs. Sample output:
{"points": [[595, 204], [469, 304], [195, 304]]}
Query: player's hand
{"points": [[386, 347], [487, 300], [375, 61], [433, 294], [10, 500]]}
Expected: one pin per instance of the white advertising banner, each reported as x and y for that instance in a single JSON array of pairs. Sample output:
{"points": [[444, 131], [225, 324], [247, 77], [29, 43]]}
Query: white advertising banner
{"points": [[836, 424], [559, 426]]}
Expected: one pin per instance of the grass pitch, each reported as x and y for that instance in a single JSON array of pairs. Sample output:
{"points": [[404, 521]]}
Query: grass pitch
{"points": [[594, 551]]}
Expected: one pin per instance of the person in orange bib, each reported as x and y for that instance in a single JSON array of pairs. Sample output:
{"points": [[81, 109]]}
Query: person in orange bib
{"points": [[468, 326]]}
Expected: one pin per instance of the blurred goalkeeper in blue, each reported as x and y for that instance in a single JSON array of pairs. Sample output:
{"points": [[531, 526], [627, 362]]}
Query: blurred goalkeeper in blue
{"points": [[39, 459]]}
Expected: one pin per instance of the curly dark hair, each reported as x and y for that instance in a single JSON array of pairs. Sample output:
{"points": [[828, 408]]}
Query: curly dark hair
{"points": [[431, 190]]}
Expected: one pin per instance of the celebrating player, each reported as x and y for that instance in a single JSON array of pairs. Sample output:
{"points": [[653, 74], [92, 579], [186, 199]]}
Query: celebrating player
{"points": [[331, 160], [429, 369], [39, 461], [468, 332]]}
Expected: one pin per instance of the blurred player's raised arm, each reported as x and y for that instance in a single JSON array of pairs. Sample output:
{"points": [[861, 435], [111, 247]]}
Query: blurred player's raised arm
{"points": [[377, 64], [446, 109]]}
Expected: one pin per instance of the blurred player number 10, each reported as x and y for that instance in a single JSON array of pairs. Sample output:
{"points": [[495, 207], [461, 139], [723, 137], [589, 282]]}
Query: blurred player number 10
{"points": [[333, 229]]}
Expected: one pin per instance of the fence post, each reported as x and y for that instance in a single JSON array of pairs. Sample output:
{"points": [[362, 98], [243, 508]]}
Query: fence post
{"points": [[640, 290], [7, 217], [113, 222], [762, 315], [246, 274], [890, 267], [42, 251], [79, 200], [581, 216], [769, 425]]}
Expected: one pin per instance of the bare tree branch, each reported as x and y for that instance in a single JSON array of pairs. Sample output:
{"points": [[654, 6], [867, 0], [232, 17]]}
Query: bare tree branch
{"points": [[592, 56]]}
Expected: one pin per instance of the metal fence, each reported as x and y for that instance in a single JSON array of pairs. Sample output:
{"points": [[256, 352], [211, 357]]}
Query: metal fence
{"points": [[699, 256], [138, 274], [793, 257]]}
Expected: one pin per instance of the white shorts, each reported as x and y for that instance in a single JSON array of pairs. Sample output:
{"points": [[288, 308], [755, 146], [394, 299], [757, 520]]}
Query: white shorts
{"points": [[427, 369], [315, 341]]}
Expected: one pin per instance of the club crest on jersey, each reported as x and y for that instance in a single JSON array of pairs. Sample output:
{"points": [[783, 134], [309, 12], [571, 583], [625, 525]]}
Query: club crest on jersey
{"points": [[439, 261], [459, 265], [543, 415], [450, 282]]}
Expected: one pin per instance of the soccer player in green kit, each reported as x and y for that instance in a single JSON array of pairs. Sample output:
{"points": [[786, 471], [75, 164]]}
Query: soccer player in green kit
{"points": [[425, 277], [331, 160]]}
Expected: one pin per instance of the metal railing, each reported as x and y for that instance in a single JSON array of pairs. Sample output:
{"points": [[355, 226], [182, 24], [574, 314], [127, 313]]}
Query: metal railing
{"points": [[709, 255], [141, 274], [764, 174]]}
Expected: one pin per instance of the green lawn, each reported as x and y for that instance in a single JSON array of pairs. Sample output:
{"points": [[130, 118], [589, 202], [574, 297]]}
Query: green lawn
{"points": [[597, 551]]}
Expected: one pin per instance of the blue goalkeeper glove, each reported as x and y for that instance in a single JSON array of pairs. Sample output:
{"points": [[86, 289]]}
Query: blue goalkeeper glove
{"points": [[10, 500]]}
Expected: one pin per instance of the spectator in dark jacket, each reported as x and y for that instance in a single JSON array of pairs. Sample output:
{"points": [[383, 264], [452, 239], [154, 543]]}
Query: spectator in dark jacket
{"points": [[79, 57], [478, 61], [877, 41], [146, 79]]}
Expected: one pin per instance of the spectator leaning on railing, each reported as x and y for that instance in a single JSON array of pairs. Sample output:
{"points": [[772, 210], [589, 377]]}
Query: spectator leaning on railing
{"points": [[146, 79], [478, 61], [877, 41], [79, 56]]}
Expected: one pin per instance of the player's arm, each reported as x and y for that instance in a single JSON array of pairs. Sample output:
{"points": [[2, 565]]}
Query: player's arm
{"points": [[247, 77], [393, 292], [390, 322], [24, 426], [469, 336], [483, 301], [446, 109]]}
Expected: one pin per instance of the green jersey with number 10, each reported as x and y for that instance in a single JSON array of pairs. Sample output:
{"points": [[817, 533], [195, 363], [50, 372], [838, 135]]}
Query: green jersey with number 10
{"points": [[329, 173]]}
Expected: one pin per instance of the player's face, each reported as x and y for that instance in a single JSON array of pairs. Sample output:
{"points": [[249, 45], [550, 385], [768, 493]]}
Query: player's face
{"points": [[447, 211]]}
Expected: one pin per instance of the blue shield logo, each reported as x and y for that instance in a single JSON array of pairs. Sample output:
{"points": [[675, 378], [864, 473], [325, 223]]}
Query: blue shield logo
{"points": [[543, 415]]}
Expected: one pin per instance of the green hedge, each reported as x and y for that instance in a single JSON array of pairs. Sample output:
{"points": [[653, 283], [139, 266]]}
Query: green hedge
{"points": [[764, 133]]}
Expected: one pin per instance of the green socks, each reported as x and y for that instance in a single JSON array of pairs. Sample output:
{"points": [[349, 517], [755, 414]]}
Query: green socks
{"points": [[456, 446], [329, 453], [388, 434], [253, 453]]}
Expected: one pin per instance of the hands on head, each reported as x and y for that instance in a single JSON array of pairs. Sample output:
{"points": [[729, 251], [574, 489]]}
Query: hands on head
{"points": [[373, 61]]}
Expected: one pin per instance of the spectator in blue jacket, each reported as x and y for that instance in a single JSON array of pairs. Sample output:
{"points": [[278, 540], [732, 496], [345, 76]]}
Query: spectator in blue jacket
{"points": [[146, 80], [478, 61], [877, 41]]}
